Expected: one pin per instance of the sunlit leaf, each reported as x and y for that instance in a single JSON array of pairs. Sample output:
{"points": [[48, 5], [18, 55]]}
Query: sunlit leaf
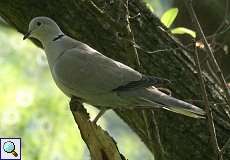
{"points": [[183, 30], [169, 16]]}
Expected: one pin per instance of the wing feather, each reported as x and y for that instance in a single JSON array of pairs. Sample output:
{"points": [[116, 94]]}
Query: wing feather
{"points": [[90, 71]]}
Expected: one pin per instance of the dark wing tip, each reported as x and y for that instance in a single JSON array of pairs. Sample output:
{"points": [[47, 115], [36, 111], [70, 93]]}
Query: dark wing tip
{"points": [[145, 81]]}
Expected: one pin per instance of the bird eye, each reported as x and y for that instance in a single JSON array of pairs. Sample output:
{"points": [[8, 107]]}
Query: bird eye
{"points": [[39, 23]]}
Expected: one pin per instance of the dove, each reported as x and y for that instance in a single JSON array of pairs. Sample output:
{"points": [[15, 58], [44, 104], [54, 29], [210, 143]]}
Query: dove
{"points": [[81, 71]]}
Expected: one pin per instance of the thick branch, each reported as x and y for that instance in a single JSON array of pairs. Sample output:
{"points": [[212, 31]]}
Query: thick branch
{"points": [[100, 144]]}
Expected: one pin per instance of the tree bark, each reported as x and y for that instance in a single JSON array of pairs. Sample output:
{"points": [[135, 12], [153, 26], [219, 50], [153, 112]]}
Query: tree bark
{"points": [[101, 146], [102, 25]]}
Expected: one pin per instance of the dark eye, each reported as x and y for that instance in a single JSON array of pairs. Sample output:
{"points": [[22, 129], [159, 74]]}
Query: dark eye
{"points": [[39, 23]]}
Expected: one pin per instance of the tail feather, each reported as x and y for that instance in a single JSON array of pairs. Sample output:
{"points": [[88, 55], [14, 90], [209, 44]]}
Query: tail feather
{"points": [[173, 104], [188, 113]]}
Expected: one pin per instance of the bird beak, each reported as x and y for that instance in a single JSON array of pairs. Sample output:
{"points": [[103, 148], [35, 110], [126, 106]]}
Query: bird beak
{"points": [[27, 35]]}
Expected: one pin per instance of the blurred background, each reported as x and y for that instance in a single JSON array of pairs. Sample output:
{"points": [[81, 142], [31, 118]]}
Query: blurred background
{"points": [[33, 108]]}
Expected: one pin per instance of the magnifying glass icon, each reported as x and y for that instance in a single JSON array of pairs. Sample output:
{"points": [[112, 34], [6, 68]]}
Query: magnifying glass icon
{"points": [[9, 147]]}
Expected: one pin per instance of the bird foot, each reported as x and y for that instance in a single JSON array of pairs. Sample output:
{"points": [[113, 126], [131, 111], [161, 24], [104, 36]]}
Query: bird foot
{"points": [[99, 115]]}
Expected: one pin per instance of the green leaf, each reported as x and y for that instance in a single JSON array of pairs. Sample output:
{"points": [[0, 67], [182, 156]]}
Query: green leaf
{"points": [[169, 16], [183, 30]]}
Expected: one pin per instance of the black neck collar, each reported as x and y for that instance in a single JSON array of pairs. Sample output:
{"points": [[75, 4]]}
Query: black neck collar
{"points": [[58, 37]]}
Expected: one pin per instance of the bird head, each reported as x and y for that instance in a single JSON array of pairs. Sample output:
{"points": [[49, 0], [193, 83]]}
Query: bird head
{"points": [[42, 29]]}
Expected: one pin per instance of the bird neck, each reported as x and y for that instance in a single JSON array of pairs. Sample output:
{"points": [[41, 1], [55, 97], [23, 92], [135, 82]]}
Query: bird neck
{"points": [[50, 37], [58, 37]]}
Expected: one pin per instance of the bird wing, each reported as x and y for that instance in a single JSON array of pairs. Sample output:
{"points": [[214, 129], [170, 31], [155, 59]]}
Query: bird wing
{"points": [[145, 81], [88, 70]]}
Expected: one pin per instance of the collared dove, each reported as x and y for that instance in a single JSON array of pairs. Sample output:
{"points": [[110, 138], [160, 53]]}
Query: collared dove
{"points": [[81, 71]]}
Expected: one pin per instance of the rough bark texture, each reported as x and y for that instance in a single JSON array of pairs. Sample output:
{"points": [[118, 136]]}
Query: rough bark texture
{"points": [[183, 138], [101, 146]]}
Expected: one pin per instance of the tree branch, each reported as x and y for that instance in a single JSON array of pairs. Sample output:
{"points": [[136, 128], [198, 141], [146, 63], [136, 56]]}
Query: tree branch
{"points": [[100, 144]]}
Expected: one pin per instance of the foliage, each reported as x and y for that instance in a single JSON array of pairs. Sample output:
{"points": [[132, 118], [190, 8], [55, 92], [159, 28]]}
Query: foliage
{"points": [[169, 16], [183, 30]]}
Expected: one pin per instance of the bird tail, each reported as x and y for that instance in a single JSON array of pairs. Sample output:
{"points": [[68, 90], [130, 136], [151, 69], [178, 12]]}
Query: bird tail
{"points": [[172, 104]]}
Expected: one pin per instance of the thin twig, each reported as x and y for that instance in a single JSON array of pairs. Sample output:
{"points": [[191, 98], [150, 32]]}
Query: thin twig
{"points": [[212, 73], [144, 113], [160, 154], [132, 49], [174, 40], [209, 50], [157, 136], [211, 126], [185, 47], [102, 15], [156, 51], [221, 26], [226, 145], [130, 36]]}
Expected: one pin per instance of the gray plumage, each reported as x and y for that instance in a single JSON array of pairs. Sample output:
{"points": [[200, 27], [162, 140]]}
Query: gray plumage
{"points": [[81, 71]]}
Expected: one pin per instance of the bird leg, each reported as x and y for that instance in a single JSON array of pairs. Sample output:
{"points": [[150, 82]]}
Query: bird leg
{"points": [[102, 111]]}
